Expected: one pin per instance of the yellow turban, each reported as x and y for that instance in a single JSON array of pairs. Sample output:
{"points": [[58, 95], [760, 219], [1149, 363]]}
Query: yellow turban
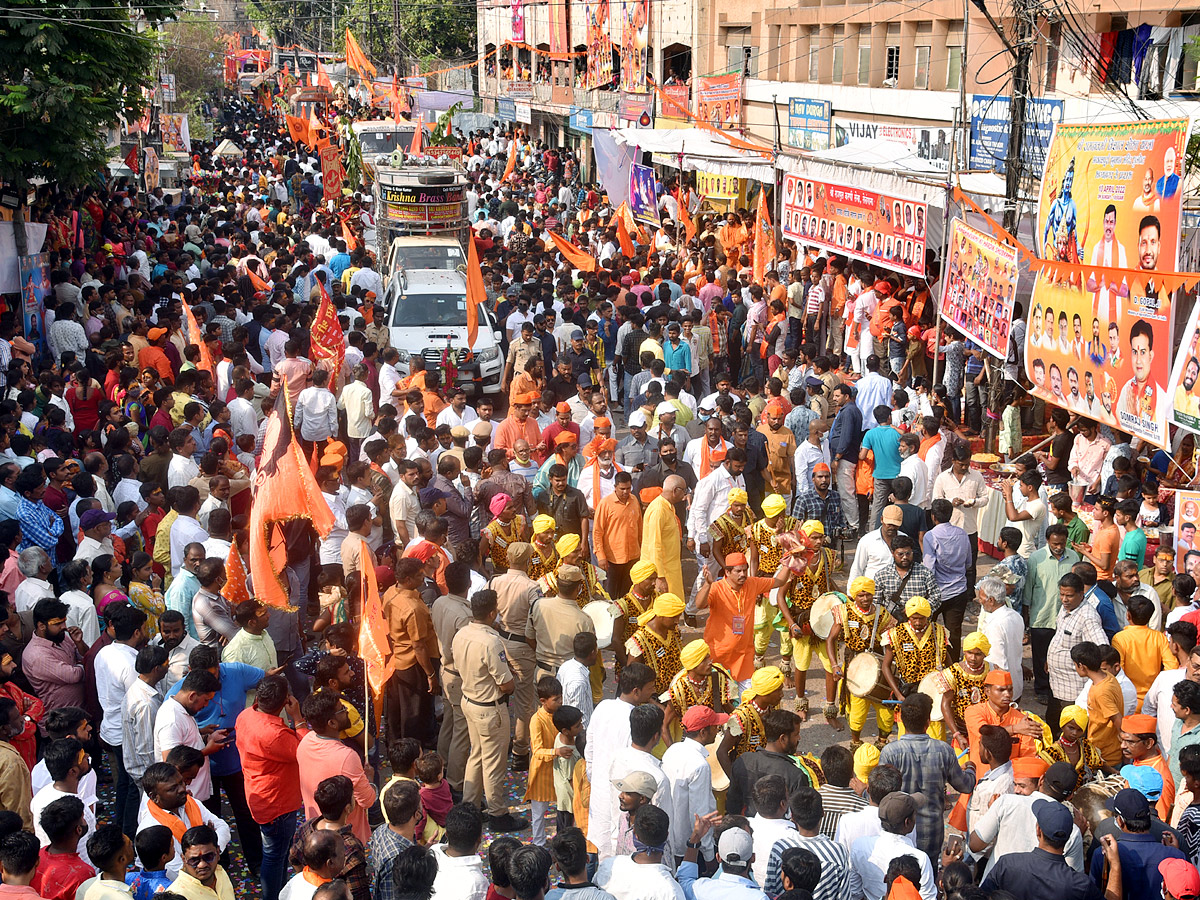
{"points": [[773, 505], [811, 527], [543, 523], [693, 654], [860, 584], [763, 682], [737, 495], [866, 758], [642, 569], [918, 606], [665, 605], [566, 543], [1076, 714], [976, 640]]}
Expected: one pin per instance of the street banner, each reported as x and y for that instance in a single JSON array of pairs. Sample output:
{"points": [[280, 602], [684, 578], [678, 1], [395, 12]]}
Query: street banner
{"points": [[152, 173], [599, 44], [990, 126], [332, 173], [518, 20], [1184, 387], [719, 100], [643, 195], [35, 285], [882, 229], [808, 123], [560, 38], [977, 296], [176, 137], [1187, 520], [1110, 197], [635, 43]]}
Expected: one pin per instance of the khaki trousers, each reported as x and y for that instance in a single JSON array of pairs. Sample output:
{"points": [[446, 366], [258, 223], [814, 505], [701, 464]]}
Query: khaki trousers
{"points": [[453, 742], [487, 764], [524, 665]]}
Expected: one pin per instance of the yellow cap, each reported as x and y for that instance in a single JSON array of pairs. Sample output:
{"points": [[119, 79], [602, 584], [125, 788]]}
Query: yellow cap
{"points": [[693, 654], [567, 543], [664, 605], [642, 569], [737, 495], [860, 584], [918, 606], [543, 523], [866, 758], [773, 505], [976, 640]]}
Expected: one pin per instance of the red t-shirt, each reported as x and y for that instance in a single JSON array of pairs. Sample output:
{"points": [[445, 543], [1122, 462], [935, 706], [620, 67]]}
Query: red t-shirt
{"points": [[59, 875]]}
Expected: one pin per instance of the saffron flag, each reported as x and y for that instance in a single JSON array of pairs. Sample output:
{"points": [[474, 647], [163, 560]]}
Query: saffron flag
{"points": [[373, 646], [764, 239], [689, 227], [236, 590], [512, 162], [623, 237], [297, 129], [323, 77], [133, 160], [580, 259], [395, 95], [416, 148], [476, 293], [315, 129], [358, 61], [284, 491], [326, 336], [348, 237], [259, 284], [197, 337]]}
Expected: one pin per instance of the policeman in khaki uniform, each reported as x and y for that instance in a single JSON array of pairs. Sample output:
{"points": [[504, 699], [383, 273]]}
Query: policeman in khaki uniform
{"points": [[515, 592], [451, 613], [555, 620], [487, 682]]}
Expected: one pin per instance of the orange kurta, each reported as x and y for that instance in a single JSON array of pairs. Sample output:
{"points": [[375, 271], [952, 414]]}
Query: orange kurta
{"points": [[734, 651], [510, 431], [980, 714], [617, 530]]}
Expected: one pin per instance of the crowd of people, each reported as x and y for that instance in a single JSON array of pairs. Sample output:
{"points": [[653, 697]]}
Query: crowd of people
{"points": [[800, 444]]}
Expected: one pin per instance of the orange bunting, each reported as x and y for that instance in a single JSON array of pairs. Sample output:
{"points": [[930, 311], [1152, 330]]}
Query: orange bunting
{"points": [[373, 645], [578, 258]]}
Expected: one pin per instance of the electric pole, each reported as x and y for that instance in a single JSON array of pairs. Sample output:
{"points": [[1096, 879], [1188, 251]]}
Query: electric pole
{"points": [[1015, 170]]}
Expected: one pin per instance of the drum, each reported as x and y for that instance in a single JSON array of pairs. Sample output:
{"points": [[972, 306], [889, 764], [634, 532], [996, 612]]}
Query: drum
{"points": [[933, 686], [820, 617], [603, 614], [864, 678], [720, 781]]}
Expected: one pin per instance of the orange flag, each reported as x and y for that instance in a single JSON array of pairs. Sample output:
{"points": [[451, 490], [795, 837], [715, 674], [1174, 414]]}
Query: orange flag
{"points": [[512, 162], [297, 129], [357, 59], [580, 259], [323, 77], [476, 292], [327, 339], [315, 128], [764, 239], [623, 237], [689, 227], [395, 98], [348, 236], [197, 336], [236, 590], [284, 491], [259, 284], [373, 632], [418, 139]]}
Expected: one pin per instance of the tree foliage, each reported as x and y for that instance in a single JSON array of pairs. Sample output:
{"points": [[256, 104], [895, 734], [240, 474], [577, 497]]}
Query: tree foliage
{"points": [[194, 53], [437, 29], [65, 79]]}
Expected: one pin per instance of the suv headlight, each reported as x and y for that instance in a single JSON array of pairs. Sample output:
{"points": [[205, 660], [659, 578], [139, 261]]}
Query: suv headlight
{"points": [[404, 356], [489, 354]]}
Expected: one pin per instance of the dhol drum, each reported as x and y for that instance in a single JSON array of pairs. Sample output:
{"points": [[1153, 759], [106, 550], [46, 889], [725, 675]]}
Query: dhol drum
{"points": [[933, 686], [603, 614], [820, 617], [864, 678]]}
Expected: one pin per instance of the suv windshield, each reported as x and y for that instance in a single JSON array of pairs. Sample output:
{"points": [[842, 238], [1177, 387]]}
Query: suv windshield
{"points": [[429, 257], [421, 310]]}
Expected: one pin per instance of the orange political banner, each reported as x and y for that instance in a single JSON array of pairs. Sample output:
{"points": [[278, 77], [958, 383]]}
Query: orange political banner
{"points": [[333, 174]]}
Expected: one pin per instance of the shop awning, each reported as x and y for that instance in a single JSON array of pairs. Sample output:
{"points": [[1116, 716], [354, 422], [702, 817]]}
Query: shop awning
{"points": [[696, 149]]}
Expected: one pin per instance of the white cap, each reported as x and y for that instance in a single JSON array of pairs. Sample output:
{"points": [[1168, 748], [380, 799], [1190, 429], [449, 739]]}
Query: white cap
{"points": [[637, 419]]}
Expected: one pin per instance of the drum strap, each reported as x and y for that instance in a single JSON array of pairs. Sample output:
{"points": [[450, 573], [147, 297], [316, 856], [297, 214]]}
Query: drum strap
{"points": [[900, 590]]}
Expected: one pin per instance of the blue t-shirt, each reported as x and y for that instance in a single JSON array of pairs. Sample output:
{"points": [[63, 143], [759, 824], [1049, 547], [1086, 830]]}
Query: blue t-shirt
{"points": [[144, 885], [236, 680], [884, 442]]}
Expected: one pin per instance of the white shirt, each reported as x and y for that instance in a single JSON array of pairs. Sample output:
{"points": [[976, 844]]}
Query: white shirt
{"points": [[458, 877], [766, 832], [1009, 827], [47, 795], [1005, 631], [145, 820], [1157, 703], [453, 418], [182, 469], [359, 405], [914, 468], [869, 859], [114, 676], [129, 489], [859, 824], [403, 506], [627, 880], [871, 555], [175, 726], [607, 735], [184, 530], [686, 766], [177, 660], [711, 501], [331, 546], [40, 778], [29, 592], [577, 688], [81, 614], [241, 417], [298, 888]]}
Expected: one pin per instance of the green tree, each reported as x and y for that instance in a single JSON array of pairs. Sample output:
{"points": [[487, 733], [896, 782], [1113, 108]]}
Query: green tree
{"points": [[194, 52], [438, 29], [65, 78]]}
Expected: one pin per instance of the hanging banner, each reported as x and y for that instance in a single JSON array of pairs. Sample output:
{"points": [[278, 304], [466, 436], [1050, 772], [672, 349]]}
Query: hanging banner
{"points": [[1184, 387], [643, 195], [35, 285], [518, 21], [152, 172], [719, 100], [977, 296], [1110, 197], [635, 44], [599, 45], [1187, 521], [332, 172], [560, 39], [990, 121], [882, 229], [633, 107], [175, 135]]}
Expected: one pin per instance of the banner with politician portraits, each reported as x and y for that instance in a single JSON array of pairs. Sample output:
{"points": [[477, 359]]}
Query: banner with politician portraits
{"points": [[978, 292]]}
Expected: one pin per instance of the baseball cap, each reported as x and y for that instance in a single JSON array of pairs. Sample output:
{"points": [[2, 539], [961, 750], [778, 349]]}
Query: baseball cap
{"points": [[577, 334], [584, 380], [736, 846], [1061, 777], [1180, 878], [432, 495], [94, 517], [897, 807], [893, 515], [1131, 805], [637, 783], [1054, 819], [698, 717], [1146, 780]]}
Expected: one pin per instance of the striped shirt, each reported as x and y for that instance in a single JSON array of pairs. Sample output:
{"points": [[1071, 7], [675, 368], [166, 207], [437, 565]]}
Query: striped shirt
{"points": [[835, 866], [835, 803]]}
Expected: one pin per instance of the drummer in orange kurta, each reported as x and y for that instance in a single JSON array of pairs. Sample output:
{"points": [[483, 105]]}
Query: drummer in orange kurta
{"points": [[730, 601], [997, 709]]}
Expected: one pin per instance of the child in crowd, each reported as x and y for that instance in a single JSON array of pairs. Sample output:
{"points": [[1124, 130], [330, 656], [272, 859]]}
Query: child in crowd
{"points": [[542, 736], [435, 789], [334, 601], [403, 756], [155, 848], [569, 722]]}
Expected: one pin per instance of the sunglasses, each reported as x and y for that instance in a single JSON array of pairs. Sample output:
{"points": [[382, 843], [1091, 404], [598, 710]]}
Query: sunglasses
{"points": [[202, 858]]}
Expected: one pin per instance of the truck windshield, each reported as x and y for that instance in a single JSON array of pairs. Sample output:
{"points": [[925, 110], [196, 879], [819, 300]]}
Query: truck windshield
{"points": [[423, 310], [375, 142], [429, 257]]}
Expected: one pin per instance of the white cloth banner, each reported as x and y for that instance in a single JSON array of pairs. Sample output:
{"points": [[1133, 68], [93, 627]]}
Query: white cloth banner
{"points": [[10, 277]]}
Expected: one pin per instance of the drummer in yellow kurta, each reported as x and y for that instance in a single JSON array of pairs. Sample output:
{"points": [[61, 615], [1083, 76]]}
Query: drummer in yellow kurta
{"points": [[662, 536], [914, 649], [858, 626]]}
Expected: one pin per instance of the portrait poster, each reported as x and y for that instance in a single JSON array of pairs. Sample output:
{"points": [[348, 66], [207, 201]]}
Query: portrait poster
{"points": [[176, 136], [1184, 387], [719, 100], [643, 195], [635, 44], [980, 287], [35, 285], [153, 176], [882, 229], [599, 44], [1187, 521], [1110, 198]]}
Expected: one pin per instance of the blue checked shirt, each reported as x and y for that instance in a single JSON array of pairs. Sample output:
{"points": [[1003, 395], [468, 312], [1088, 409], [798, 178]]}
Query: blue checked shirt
{"points": [[385, 845], [40, 527], [927, 766], [827, 510]]}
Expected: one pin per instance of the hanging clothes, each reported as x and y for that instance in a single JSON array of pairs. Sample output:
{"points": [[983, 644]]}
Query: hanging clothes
{"points": [[1141, 44], [1120, 69], [1108, 47]]}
